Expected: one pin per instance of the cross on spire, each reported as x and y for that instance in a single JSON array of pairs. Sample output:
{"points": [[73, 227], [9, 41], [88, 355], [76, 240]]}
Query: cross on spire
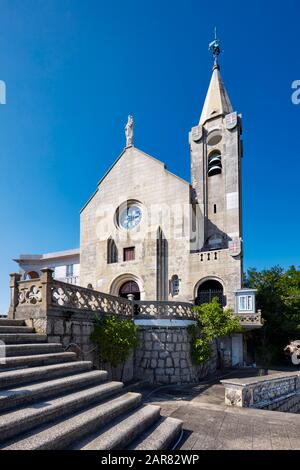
{"points": [[215, 47]]}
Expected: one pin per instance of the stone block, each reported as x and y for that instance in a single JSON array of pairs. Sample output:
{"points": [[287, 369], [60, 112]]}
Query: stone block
{"points": [[153, 363], [76, 329], [162, 379], [183, 363], [161, 363], [158, 346], [177, 347], [58, 327], [170, 347], [148, 346], [66, 341], [68, 327], [176, 362], [163, 354], [169, 362], [54, 339], [170, 371], [163, 337]]}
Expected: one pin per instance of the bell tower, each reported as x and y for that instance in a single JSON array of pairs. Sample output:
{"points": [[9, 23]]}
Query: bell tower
{"points": [[216, 153]]}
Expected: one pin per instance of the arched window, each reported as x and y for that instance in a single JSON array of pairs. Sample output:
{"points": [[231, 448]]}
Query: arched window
{"points": [[174, 285], [112, 251], [214, 164], [208, 290]]}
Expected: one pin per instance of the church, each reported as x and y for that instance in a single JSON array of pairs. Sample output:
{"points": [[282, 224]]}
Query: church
{"points": [[147, 234]]}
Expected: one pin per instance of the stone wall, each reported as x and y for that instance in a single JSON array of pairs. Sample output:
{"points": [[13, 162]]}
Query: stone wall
{"points": [[163, 357], [74, 331], [288, 405]]}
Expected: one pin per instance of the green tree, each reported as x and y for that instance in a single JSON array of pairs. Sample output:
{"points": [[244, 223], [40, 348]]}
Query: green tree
{"points": [[115, 339], [213, 321], [278, 296]]}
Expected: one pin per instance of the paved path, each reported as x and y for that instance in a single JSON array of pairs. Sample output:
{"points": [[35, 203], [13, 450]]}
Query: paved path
{"points": [[214, 426]]}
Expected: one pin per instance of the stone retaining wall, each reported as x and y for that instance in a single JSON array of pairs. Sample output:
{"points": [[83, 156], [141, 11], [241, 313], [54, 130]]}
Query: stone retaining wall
{"points": [[266, 392], [163, 357], [288, 405]]}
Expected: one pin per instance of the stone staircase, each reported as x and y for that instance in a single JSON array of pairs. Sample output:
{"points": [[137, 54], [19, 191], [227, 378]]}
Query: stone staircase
{"points": [[50, 400]]}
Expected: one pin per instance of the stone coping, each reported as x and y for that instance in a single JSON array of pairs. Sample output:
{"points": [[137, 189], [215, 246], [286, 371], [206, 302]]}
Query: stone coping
{"points": [[244, 382]]}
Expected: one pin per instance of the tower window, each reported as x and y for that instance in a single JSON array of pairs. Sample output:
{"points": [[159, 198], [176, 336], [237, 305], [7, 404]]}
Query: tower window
{"points": [[215, 208], [129, 254], [214, 164]]}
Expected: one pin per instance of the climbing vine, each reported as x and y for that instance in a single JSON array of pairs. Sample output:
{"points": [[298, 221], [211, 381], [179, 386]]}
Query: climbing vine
{"points": [[212, 322]]}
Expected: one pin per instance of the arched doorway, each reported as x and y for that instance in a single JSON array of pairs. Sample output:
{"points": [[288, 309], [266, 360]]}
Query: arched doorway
{"points": [[130, 287], [208, 290]]}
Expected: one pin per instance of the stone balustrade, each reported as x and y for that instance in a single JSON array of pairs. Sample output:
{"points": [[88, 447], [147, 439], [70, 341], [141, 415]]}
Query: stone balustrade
{"points": [[46, 294], [264, 392], [250, 319], [164, 310], [39, 296]]}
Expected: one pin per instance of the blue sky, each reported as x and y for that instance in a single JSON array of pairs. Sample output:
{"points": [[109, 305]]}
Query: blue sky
{"points": [[75, 69]]}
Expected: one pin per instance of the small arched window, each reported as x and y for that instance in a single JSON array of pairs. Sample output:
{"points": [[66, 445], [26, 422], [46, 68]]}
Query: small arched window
{"points": [[174, 285], [112, 251], [214, 164]]}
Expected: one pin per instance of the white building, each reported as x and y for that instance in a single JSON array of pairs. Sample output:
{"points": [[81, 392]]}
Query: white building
{"points": [[66, 265]]}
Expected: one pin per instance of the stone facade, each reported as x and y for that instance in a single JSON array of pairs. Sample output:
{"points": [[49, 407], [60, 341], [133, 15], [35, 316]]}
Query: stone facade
{"points": [[164, 357], [200, 221]]}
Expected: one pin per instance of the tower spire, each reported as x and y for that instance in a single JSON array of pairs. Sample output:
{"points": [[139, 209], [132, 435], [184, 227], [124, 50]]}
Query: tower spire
{"points": [[217, 101]]}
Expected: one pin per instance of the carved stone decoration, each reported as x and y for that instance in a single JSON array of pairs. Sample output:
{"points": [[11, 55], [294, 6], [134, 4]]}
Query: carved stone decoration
{"points": [[197, 133], [231, 121], [233, 397], [235, 247], [166, 310], [34, 295], [30, 294]]}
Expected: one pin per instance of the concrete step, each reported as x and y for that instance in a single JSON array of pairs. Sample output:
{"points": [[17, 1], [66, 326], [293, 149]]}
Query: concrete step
{"points": [[122, 431], [30, 393], [16, 329], [14, 423], [35, 374], [161, 436], [22, 338], [14, 350], [37, 360], [5, 322], [64, 433]]}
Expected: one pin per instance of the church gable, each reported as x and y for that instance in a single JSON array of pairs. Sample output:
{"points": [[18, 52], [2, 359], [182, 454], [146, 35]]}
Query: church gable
{"points": [[136, 174]]}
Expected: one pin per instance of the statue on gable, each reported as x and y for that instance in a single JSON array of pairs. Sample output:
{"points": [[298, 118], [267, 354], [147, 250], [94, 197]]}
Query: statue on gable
{"points": [[129, 132]]}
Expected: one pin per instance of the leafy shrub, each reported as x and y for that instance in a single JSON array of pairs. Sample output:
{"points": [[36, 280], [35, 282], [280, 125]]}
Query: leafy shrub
{"points": [[115, 339], [213, 321]]}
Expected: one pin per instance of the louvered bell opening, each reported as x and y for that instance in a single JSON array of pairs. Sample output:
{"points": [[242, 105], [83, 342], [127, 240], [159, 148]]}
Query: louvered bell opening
{"points": [[214, 165]]}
